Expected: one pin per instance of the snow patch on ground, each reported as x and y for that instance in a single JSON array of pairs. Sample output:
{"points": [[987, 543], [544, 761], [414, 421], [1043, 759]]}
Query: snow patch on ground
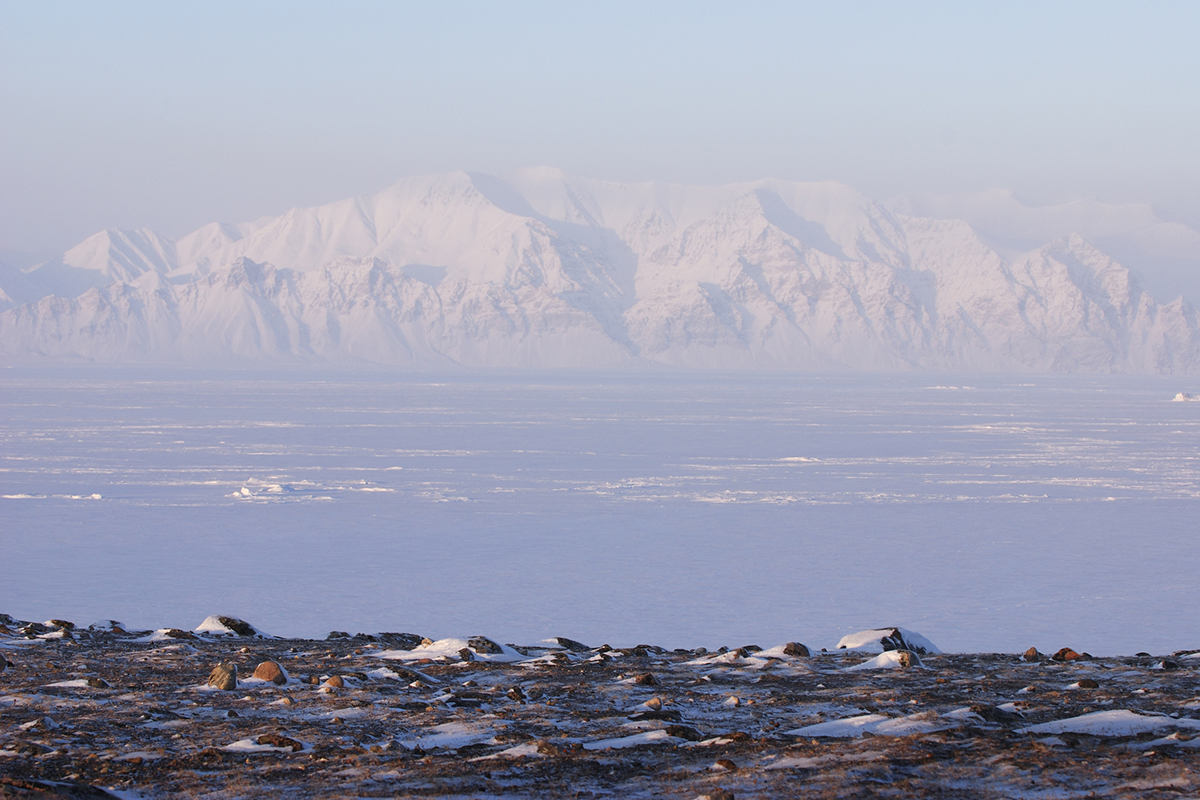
{"points": [[453, 735], [1120, 722], [636, 740], [877, 724]]}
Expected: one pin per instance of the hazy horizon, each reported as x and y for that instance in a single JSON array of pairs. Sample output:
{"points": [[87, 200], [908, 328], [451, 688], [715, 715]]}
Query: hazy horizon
{"points": [[169, 117]]}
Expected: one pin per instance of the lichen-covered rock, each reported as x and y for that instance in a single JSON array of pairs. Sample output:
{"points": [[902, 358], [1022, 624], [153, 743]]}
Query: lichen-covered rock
{"points": [[224, 677], [796, 650]]}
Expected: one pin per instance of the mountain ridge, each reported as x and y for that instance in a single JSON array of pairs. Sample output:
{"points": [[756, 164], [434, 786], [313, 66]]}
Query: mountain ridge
{"points": [[543, 269]]}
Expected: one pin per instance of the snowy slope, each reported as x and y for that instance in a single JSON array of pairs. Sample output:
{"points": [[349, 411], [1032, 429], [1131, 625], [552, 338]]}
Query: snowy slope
{"points": [[1165, 252], [540, 268]]}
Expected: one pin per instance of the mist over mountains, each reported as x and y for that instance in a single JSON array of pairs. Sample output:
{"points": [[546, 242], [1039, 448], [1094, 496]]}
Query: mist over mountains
{"points": [[544, 269]]}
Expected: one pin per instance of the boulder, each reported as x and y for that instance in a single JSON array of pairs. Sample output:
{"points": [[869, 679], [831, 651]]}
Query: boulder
{"points": [[882, 640], [279, 740], [335, 681], [995, 714], [32, 630], [224, 677], [176, 633], [684, 732], [218, 625], [571, 644], [402, 641], [271, 671], [484, 645], [1066, 654], [1032, 654], [796, 650]]}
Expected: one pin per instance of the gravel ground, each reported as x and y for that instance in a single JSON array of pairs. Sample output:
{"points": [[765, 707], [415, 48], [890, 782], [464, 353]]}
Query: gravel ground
{"points": [[102, 713]]}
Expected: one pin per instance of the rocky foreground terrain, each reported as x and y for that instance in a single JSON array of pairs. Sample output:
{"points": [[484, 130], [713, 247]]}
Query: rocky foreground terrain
{"points": [[226, 712]]}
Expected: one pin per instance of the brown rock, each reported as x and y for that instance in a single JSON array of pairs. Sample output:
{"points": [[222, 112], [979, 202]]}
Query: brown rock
{"points": [[796, 650], [466, 654], [1088, 683], [725, 765], [176, 633], [279, 740], [271, 671], [1032, 654], [906, 659], [684, 732], [571, 644], [335, 681], [224, 677], [1066, 654], [646, 679], [403, 641]]}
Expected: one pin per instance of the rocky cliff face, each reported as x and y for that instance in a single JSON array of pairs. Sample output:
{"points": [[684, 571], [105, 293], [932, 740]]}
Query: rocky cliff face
{"points": [[548, 270]]}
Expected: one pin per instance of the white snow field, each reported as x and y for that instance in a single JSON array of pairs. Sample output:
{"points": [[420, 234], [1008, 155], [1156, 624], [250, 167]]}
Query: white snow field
{"points": [[988, 513]]}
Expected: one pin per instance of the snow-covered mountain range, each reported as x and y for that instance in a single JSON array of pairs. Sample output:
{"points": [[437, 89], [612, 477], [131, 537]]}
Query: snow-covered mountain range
{"points": [[543, 269]]}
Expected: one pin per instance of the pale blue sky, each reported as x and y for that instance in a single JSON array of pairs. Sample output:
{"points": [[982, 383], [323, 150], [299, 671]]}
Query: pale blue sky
{"points": [[170, 115]]}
